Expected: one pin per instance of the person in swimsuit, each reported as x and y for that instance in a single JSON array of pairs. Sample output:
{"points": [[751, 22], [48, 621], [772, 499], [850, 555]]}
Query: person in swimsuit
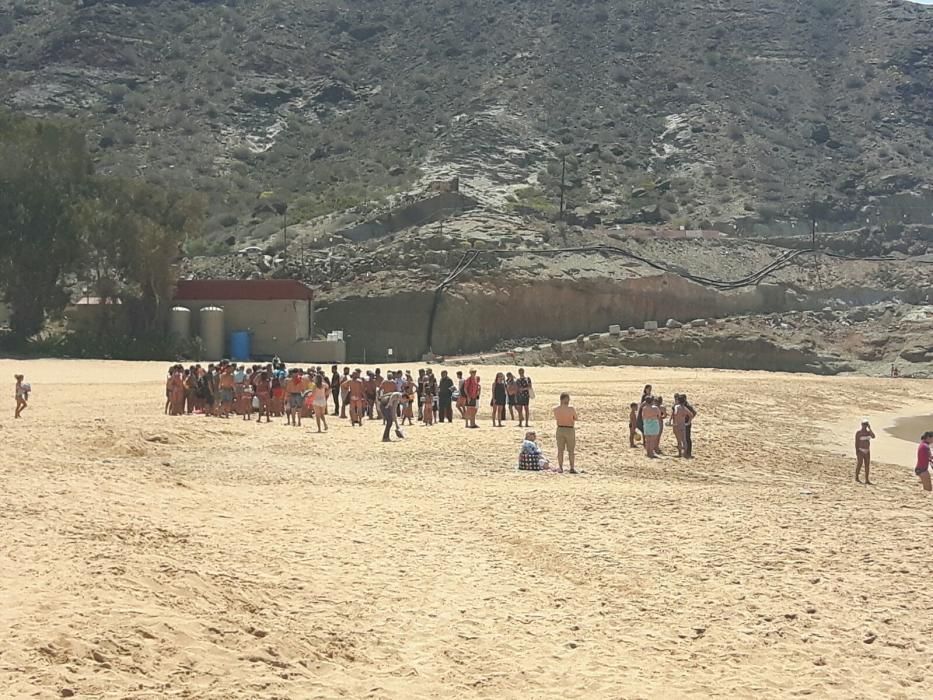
{"points": [[651, 420], [428, 394], [566, 417], [498, 400], [863, 439], [511, 391], [461, 397], [356, 397], [264, 394], [319, 395], [295, 388], [168, 391], [645, 395], [227, 385], [471, 389], [21, 395], [922, 469], [409, 398], [632, 424]]}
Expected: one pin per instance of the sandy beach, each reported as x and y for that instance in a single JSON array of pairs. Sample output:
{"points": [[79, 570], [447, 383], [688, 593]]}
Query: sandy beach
{"points": [[143, 556]]}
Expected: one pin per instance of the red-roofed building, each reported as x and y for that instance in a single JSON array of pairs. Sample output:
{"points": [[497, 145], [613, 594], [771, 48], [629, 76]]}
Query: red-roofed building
{"points": [[278, 314]]}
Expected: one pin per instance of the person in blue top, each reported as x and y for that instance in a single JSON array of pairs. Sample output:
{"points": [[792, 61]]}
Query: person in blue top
{"points": [[530, 457]]}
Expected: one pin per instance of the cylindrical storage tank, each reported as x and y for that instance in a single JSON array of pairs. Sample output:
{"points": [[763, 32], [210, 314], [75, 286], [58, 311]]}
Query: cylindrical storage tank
{"points": [[212, 332], [241, 346], [180, 322]]}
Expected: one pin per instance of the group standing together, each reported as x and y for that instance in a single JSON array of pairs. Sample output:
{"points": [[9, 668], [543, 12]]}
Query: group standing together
{"points": [[273, 391]]}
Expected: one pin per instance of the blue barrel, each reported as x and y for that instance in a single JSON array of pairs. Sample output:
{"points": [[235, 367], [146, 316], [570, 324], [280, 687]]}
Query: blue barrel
{"points": [[241, 346]]}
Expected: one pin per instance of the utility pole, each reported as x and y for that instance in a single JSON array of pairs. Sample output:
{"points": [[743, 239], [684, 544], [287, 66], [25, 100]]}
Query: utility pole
{"points": [[563, 174], [285, 230]]}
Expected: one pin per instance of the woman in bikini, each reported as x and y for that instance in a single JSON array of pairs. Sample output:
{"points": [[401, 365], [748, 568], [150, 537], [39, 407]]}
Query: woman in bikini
{"points": [[320, 393], [264, 394]]}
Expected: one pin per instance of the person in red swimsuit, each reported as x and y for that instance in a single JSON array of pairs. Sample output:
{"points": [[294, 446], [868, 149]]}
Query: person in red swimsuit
{"points": [[923, 461]]}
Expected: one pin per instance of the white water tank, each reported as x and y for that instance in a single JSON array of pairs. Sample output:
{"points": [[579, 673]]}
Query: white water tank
{"points": [[212, 332], [180, 322]]}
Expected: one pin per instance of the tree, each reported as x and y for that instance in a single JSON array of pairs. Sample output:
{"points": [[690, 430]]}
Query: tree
{"points": [[135, 234], [45, 170]]}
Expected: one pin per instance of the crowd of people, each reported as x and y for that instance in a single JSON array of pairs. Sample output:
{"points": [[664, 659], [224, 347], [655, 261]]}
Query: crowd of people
{"points": [[272, 390]]}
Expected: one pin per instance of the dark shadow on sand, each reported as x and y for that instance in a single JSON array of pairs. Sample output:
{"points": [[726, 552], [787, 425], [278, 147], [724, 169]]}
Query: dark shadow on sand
{"points": [[910, 428]]}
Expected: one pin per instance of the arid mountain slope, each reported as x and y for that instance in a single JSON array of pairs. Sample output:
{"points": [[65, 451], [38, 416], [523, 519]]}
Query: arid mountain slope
{"points": [[691, 111]]}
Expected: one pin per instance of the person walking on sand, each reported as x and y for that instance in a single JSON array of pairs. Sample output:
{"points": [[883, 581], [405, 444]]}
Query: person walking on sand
{"points": [[680, 418], [922, 469], [22, 395], [566, 417], [863, 438]]}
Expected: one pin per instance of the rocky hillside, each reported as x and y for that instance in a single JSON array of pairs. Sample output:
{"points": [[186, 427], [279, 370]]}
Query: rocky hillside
{"points": [[692, 112]]}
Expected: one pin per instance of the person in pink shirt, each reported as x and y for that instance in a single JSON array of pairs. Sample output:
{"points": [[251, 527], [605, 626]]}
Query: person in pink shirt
{"points": [[923, 461]]}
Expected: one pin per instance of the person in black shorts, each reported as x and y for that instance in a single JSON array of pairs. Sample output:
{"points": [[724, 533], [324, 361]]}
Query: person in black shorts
{"points": [[498, 400], [523, 397]]}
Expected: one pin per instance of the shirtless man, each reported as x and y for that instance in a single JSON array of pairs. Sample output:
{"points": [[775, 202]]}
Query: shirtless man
{"points": [[863, 439], [357, 398], [566, 417], [227, 385], [389, 401]]}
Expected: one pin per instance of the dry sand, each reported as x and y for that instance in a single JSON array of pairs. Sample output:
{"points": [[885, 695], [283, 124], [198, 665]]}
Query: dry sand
{"points": [[143, 556]]}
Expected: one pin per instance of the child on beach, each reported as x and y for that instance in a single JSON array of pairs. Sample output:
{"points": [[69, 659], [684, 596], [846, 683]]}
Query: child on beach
{"points": [[632, 424], [22, 394]]}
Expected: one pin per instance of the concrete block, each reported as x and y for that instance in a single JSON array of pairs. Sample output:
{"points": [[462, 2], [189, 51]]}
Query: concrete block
{"points": [[651, 325], [615, 330]]}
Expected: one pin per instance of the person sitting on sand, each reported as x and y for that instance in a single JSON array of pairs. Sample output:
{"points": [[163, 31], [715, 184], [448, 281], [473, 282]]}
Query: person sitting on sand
{"points": [[863, 439], [22, 395], [922, 469], [530, 458]]}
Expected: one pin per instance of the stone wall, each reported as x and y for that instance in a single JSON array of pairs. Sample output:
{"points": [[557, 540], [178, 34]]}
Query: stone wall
{"points": [[473, 317]]}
